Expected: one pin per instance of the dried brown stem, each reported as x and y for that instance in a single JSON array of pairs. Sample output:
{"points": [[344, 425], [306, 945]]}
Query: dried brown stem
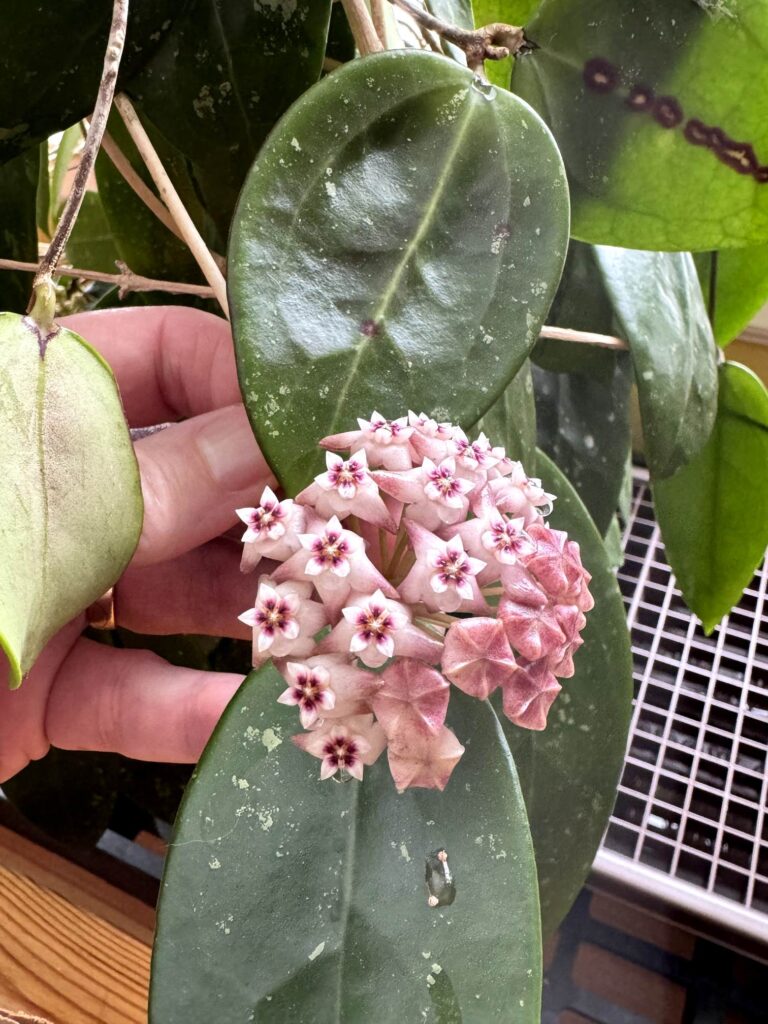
{"points": [[146, 195], [379, 20], [96, 128], [126, 280], [492, 42], [362, 26], [169, 195]]}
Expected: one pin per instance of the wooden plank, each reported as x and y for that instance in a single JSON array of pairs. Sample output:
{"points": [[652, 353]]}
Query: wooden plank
{"points": [[77, 885], [66, 963], [628, 918], [628, 985]]}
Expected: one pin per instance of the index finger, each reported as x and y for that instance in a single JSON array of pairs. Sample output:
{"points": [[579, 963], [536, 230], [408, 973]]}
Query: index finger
{"points": [[171, 362]]}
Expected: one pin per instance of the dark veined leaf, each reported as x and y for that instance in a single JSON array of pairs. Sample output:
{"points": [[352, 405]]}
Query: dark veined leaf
{"points": [[583, 425], [659, 309], [52, 60], [665, 147], [741, 288], [397, 244], [292, 900], [713, 513], [569, 772], [222, 77], [69, 492], [18, 227], [509, 12], [511, 420]]}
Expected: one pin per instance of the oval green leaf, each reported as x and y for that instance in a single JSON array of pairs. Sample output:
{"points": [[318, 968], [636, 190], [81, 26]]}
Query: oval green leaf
{"points": [[287, 899], [511, 420], [569, 772], [397, 243], [69, 491], [713, 514], [658, 305], [635, 178]]}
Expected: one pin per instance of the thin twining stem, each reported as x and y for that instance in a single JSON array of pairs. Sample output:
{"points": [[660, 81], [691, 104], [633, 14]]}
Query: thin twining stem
{"points": [[582, 337], [363, 29], [126, 280], [492, 42], [96, 129], [172, 200]]}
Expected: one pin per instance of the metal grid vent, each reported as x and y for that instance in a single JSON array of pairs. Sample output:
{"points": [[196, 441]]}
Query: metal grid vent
{"points": [[691, 815]]}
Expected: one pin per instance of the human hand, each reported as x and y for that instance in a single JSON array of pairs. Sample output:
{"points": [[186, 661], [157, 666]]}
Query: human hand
{"points": [[170, 362]]}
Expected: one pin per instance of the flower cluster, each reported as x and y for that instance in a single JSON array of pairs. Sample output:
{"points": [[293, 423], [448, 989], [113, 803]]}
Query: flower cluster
{"points": [[418, 560]]}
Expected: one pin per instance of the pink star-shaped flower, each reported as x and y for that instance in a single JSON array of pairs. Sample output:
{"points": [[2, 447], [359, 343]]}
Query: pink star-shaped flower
{"points": [[430, 439], [352, 688], [334, 560], [375, 628], [411, 694], [477, 656], [284, 620], [495, 539], [528, 696], [344, 746], [434, 494], [443, 577], [272, 529], [345, 488], [424, 759], [385, 442], [519, 495], [308, 689]]}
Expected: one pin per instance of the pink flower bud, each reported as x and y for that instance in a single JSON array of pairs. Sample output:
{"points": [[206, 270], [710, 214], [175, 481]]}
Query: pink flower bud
{"points": [[477, 656], [412, 695], [529, 694], [423, 759]]}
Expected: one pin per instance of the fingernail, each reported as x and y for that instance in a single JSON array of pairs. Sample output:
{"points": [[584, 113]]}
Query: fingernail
{"points": [[226, 443]]}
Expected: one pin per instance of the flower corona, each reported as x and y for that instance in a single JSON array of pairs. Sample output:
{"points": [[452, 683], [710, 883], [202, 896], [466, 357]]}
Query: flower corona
{"points": [[418, 561]]}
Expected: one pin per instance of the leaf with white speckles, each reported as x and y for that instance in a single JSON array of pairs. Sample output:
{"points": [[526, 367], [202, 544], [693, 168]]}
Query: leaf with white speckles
{"points": [[323, 915], [404, 255]]}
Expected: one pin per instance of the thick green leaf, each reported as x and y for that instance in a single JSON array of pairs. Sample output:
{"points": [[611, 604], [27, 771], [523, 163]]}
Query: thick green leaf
{"points": [[69, 491], [741, 288], [511, 420], [222, 77], [289, 900], [713, 514], [509, 12], [397, 244], [569, 772], [583, 425], [52, 59], [658, 305], [18, 228], [91, 245], [634, 181]]}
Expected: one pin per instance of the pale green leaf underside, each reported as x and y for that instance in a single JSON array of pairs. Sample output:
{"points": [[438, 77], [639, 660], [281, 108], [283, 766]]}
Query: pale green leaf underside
{"points": [[714, 513], [69, 489], [397, 245], [633, 182], [289, 900]]}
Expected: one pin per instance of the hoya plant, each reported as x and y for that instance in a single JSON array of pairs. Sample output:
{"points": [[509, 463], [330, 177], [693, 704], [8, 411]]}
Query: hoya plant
{"points": [[455, 244]]}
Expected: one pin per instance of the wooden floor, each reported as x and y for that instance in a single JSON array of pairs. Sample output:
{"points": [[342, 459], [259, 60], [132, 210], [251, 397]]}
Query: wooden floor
{"points": [[73, 949]]}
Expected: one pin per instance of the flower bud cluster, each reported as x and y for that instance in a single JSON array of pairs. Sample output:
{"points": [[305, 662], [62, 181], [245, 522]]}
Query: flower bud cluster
{"points": [[417, 560]]}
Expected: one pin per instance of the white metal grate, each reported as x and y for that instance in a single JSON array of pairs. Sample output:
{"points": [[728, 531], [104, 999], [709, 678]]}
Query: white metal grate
{"points": [[691, 815]]}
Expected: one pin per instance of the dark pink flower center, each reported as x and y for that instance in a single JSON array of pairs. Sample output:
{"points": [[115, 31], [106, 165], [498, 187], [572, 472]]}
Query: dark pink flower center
{"points": [[341, 752], [506, 537], [452, 567], [444, 481], [266, 516], [273, 614], [374, 623], [331, 549], [347, 474], [307, 690]]}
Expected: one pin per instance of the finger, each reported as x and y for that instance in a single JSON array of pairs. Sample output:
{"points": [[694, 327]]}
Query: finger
{"points": [[171, 362], [202, 591], [193, 477], [134, 703]]}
